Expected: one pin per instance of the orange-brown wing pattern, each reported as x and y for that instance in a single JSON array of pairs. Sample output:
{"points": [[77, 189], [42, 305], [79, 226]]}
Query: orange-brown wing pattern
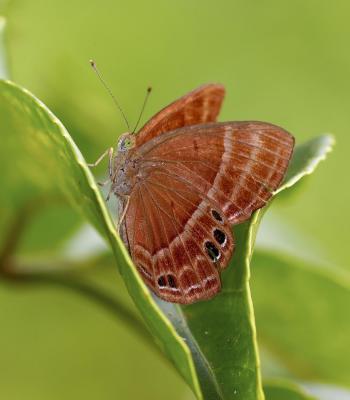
{"points": [[178, 239], [236, 165], [200, 106]]}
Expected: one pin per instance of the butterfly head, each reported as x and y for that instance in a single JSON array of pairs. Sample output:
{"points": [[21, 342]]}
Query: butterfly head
{"points": [[126, 142]]}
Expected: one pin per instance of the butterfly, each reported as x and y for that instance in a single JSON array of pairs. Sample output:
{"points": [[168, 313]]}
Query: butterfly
{"points": [[183, 181]]}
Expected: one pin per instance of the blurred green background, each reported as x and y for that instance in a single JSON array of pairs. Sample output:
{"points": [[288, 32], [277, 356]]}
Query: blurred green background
{"points": [[283, 62]]}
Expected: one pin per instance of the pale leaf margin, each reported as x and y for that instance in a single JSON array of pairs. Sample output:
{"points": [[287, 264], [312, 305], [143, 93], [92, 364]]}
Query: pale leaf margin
{"points": [[3, 59], [287, 389]]}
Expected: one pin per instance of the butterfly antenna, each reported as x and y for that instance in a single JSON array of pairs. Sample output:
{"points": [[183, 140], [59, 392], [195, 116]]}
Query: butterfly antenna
{"points": [[93, 64], [143, 108]]}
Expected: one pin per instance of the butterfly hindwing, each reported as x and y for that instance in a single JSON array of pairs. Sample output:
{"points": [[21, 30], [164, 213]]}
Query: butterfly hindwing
{"points": [[178, 240]]}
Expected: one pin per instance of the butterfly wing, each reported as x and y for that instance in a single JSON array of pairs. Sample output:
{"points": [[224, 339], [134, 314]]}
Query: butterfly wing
{"points": [[200, 106], [166, 224], [196, 182], [237, 165]]}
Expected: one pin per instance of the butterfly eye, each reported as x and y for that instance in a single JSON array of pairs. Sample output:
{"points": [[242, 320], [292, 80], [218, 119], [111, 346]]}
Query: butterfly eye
{"points": [[220, 236], [125, 143], [216, 215], [212, 251]]}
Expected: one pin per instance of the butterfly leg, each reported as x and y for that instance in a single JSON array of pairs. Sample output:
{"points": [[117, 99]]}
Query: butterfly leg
{"points": [[103, 183], [102, 156], [125, 209], [109, 193], [112, 176], [110, 166]]}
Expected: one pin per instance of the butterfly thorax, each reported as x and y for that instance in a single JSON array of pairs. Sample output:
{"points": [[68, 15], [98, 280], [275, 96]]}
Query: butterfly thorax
{"points": [[125, 166]]}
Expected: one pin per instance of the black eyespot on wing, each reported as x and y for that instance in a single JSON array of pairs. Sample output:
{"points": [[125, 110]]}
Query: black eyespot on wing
{"points": [[216, 215], [161, 281], [212, 251], [172, 281], [220, 236]]}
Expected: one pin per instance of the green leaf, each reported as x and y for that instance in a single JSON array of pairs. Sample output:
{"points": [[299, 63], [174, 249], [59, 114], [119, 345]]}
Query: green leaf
{"points": [[212, 344], [306, 157], [49, 158], [285, 391], [300, 311], [221, 332]]}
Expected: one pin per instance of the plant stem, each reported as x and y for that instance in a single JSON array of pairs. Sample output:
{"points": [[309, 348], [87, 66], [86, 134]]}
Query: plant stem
{"points": [[18, 226], [89, 291]]}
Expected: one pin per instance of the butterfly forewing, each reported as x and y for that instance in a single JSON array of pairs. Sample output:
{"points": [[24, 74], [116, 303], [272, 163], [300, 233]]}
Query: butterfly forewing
{"points": [[200, 106]]}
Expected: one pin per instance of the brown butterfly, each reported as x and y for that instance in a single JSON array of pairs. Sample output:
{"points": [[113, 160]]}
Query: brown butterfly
{"points": [[183, 181]]}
